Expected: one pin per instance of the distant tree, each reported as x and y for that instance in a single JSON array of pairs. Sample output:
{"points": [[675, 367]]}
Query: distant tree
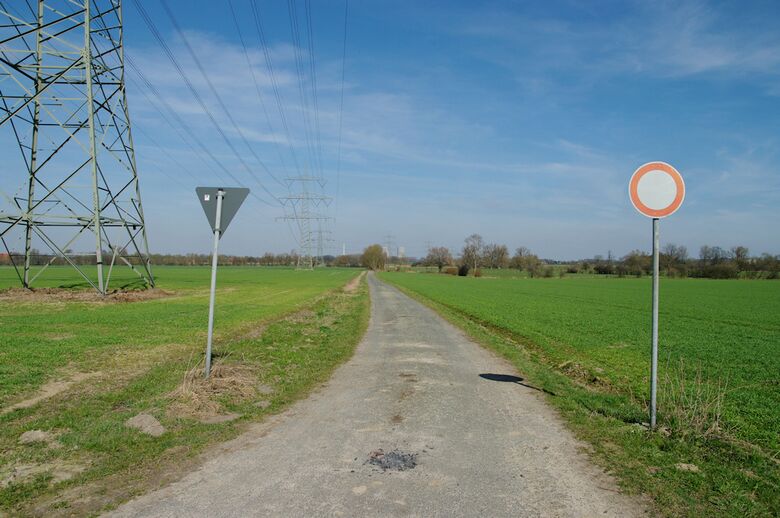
{"points": [[438, 256], [638, 262], [741, 256], [495, 256], [603, 267], [676, 253], [347, 260], [711, 255], [533, 265], [373, 257], [674, 260], [769, 264], [472, 250], [519, 259]]}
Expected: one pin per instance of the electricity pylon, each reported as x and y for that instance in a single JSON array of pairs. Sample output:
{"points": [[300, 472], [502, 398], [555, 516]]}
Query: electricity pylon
{"points": [[389, 245], [63, 103], [302, 203], [324, 242]]}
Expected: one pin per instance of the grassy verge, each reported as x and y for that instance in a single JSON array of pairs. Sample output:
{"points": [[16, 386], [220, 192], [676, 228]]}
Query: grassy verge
{"points": [[266, 357], [685, 474]]}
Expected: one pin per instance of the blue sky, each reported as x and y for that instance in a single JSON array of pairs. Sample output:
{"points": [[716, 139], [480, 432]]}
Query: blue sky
{"points": [[521, 121]]}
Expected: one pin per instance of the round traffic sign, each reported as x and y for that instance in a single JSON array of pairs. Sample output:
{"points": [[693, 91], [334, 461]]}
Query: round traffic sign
{"points": [[656, 189]]}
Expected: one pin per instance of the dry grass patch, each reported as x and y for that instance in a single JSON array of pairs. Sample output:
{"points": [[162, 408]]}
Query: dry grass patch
{"points": [[692, 405], [198, 397]]}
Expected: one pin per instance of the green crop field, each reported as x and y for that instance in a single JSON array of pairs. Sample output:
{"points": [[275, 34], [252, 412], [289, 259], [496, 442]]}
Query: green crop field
{"points": [[278, 332], [587, 340]]}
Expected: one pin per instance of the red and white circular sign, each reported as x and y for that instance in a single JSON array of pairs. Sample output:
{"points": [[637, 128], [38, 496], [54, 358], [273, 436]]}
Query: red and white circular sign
{"points": [[656, 189]]}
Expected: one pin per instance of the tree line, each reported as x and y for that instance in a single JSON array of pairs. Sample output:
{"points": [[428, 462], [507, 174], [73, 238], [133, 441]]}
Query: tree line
{"points": [[712, 261], [190, 259], [674, 261]]}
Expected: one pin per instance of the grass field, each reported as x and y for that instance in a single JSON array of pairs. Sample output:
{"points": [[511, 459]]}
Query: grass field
{"points": [[278, 332], [587, 341]]}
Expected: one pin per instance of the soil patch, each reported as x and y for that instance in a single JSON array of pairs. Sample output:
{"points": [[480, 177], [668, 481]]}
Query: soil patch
{"points": [[51, 295], [147, 424], [39, 436], [221, 418], [59, 471], [352, 286], [49, 390], [693, 468]]}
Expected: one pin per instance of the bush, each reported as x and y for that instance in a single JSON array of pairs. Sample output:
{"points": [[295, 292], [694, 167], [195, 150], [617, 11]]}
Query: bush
{"points": [[477, 273], [463, 270], [450, 270], [718, 271], [604, 269], [677, 272]]}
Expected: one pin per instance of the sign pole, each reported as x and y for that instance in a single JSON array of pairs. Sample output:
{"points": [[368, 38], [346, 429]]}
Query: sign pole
{"points": [[220, 196], [654, 358], [656, 190]]}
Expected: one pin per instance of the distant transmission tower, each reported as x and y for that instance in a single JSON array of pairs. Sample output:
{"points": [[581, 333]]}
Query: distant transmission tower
{"points": [[324, 243], [303, 205], [63, 104], [389, 245]]}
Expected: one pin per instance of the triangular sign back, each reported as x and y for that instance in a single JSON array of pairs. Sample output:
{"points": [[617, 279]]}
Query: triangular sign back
{"points": [[231, 201]]}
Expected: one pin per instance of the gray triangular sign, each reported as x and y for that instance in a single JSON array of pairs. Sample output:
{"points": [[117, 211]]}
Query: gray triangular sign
{"points": [[232, 199]]}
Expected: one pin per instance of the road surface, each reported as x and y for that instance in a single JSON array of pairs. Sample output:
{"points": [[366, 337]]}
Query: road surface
{"points": [[482, 446]]}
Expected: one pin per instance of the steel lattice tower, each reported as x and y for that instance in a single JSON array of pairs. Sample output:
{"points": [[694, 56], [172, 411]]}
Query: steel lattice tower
{"points": [[63, 102], [324, 242], [302, 203]]}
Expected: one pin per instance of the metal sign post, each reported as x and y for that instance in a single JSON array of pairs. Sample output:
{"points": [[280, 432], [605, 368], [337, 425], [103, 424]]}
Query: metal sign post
{"points": [[213, 293], [220, 205], [656, 190], [654, 347]]}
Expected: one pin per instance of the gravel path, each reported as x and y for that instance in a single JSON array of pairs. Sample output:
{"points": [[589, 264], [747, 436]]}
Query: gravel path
{"points": [[408, 427]]}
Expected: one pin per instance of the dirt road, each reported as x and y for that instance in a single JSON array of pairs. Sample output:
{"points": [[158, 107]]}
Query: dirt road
{"points": [[472, 445]]}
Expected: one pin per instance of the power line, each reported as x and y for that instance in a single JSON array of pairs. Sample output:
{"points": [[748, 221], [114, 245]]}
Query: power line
{"points": [[299, 69], [312, 67], [274, 82], [265, 111], [341, 108], [157, 97], [215, 93], [257, 85], [153, 29]]}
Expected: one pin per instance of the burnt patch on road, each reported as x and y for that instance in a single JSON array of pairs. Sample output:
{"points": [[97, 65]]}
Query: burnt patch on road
{"points": [[395, 460]]}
